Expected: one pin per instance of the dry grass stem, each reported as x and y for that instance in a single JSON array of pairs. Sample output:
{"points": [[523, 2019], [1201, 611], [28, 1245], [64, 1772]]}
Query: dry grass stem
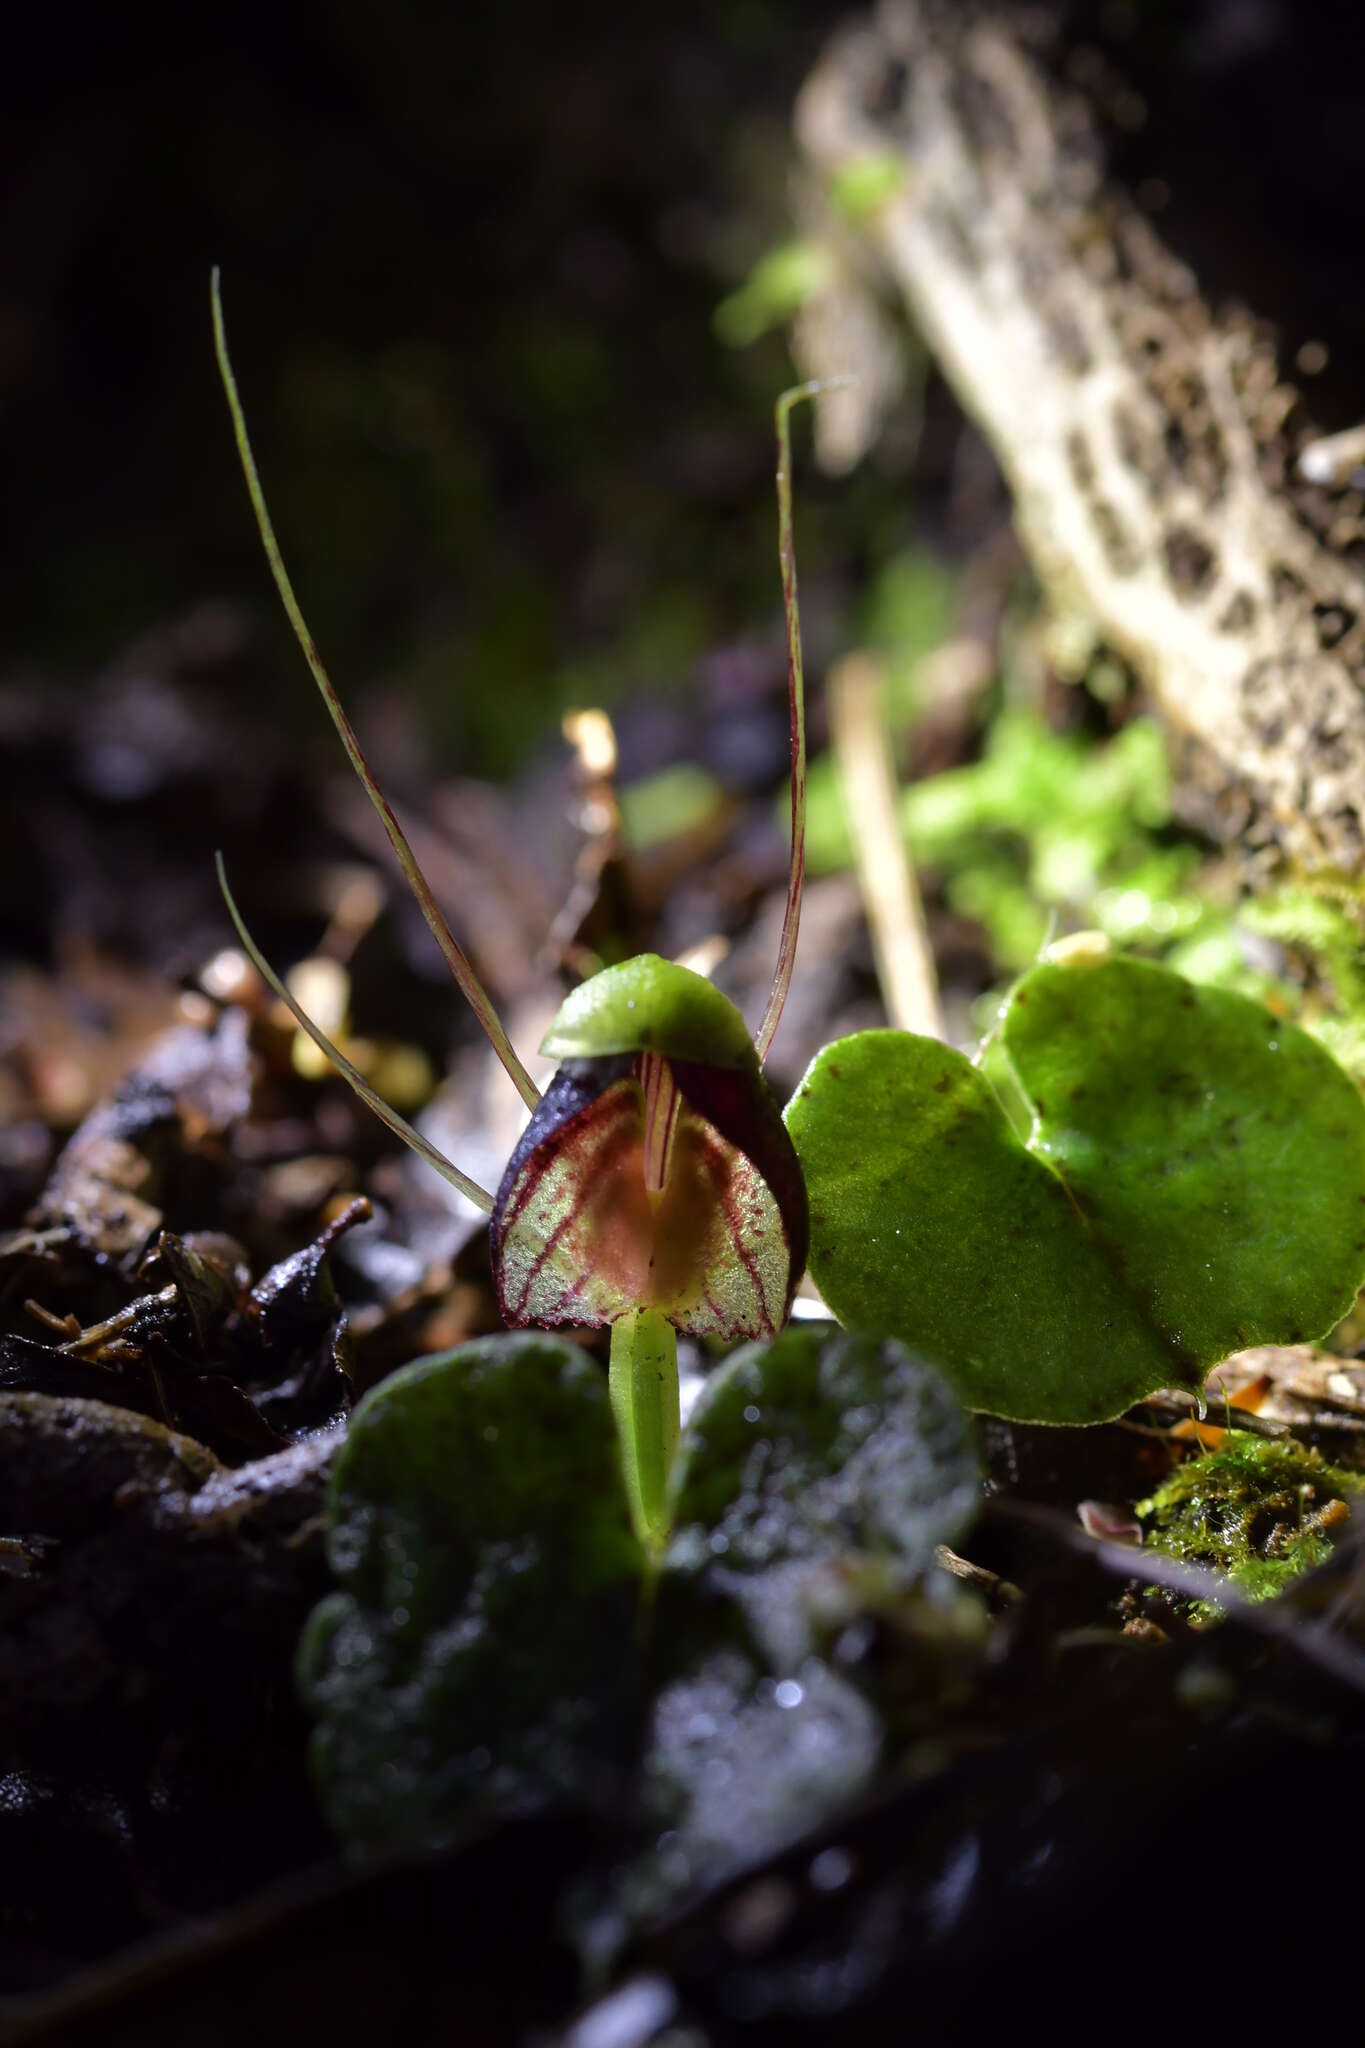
{"points": [[895, 913]]}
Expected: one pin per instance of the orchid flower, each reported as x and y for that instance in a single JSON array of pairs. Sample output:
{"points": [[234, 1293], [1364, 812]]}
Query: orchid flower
{"points": [[655, 1189]]}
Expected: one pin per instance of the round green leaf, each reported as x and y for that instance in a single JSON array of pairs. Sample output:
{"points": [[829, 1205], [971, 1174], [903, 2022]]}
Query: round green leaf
{"points": [[1194, 1182], [489, 1578], [816, 1474], [650, 1005], [1219, 1150], [929, 1219], [740, 1763], [821, 1445]]}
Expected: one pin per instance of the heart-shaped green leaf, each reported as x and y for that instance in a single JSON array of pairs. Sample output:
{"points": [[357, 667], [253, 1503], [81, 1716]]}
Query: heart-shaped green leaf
{"points": [[1221, 1149], [477, 1653], [819, 1445], [1194, 1182], [815, 1478], [499, 1640], [740, 1763]]}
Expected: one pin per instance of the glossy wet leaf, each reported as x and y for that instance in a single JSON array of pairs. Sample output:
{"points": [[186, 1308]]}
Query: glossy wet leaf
{"points": [[1220, 1148], [497, 1640], [930, 1219], [741, 1762], [816, 1476], [822, 1444], [1194, 1183], [477, 1652]]}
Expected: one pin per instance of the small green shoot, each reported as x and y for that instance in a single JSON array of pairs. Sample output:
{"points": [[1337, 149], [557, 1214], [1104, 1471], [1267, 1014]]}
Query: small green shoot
{"points": [[863, 186], [780, 283], [643, 1380]]}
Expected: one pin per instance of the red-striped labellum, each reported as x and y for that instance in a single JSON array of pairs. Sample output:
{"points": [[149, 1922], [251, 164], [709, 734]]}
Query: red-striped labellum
{"points": [[656, 1172]]}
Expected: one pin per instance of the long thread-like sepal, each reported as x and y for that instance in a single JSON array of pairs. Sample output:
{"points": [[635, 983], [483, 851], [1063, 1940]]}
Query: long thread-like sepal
{"points": [[796, 706], [400, 1127], [468, 981]]}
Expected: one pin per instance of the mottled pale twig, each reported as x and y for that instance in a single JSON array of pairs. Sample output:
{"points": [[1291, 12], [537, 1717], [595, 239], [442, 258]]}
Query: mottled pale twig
{"points": [[456, 959], [400, 1126], [796, 705]]}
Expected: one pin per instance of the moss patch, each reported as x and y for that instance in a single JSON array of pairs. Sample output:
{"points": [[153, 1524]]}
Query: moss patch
{"points": [[1262, 1511]]}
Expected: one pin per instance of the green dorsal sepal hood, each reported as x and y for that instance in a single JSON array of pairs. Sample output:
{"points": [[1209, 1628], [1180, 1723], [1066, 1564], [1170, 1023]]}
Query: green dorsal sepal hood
{"points": [[650, 1005]]}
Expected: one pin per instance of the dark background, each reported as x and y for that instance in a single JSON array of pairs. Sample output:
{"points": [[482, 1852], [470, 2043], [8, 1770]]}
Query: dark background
{"points": [[470, 260]]}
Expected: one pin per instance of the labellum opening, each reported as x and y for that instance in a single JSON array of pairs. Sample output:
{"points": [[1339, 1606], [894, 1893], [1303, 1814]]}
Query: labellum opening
{"points": [[644, 1181]]}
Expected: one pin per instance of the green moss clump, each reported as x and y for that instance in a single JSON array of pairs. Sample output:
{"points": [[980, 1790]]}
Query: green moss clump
{"points": [[1260, 1510]]}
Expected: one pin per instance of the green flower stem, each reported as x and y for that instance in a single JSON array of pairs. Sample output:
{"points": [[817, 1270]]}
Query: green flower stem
{"points": [[644, 1401]]}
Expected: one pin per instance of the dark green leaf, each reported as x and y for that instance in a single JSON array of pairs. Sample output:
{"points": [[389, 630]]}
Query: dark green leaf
{"points": [[740, 1763], [478, 1653], [816, 1476], [821, 1445], [490, 1647]]}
